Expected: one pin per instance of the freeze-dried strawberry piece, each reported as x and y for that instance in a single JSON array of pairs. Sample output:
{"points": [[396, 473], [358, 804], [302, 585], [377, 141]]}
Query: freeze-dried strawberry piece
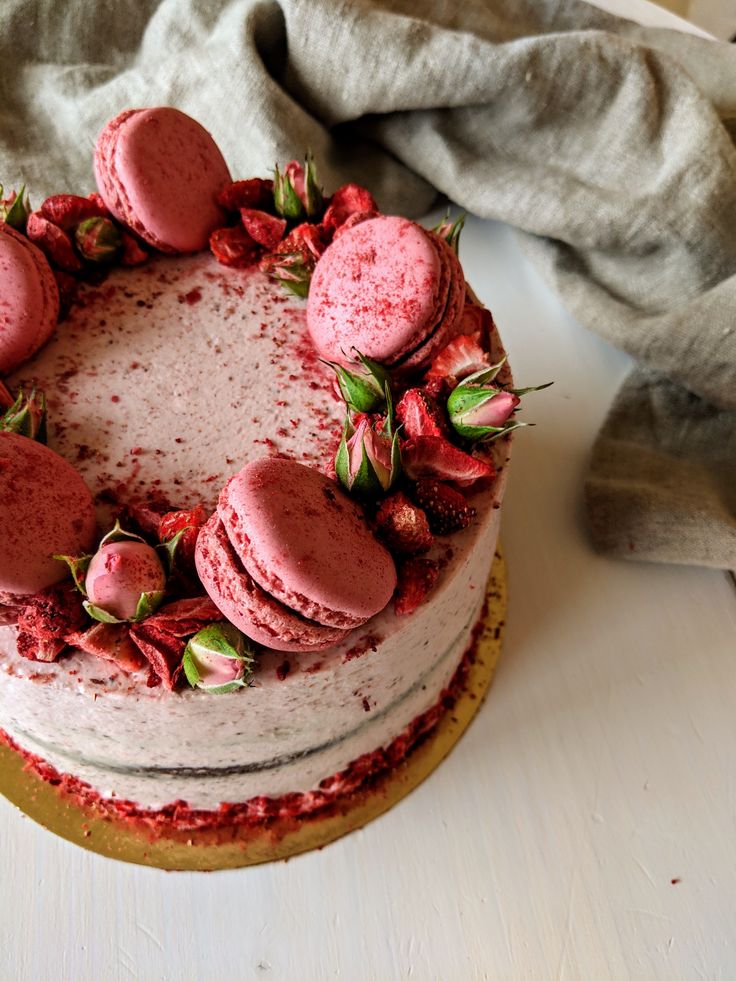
{"points": [[462, 356], [53, 242], [478, 321], [402, 526], [433, 456], [419, 414], [306, 239], [355, 219], [66, 211], [133, 253], [234, 247], [187, 521], [253, 193], [446, 508], [263, 228], [161, 638], [110, 642], [417, 578], [98, 202], [350, 199], [46, 619]]}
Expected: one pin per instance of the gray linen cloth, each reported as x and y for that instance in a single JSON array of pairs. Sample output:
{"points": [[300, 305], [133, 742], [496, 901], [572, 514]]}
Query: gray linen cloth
{"points": [[608, 145]]}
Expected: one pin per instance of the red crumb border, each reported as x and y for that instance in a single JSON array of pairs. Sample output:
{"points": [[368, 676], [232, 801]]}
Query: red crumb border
{"points": [[333, 791]]}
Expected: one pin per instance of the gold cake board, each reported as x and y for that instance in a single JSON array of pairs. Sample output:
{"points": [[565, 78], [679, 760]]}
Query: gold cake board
{"points": [[282, 838]]}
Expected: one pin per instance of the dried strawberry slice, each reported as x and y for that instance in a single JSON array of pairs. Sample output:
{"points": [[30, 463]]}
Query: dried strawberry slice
{"points": [[478, 321], [46, 619], [462, 356], [66, 211], [253, 193], [355, 219], [234, 247], [348, 200], [402, 526], [53, 242], [263, 228], [133, 253], [110, 642], [189, 521], [433, 456], [419, 414], [446, 508], [417, 578], [306, 239]]}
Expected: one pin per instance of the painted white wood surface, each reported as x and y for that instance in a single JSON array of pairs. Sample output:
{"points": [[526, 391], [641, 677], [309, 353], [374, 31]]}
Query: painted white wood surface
{"points": [[600, 769]]}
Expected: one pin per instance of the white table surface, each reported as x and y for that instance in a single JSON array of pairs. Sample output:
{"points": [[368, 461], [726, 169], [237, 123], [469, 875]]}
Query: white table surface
{"points": [[584, 827]]}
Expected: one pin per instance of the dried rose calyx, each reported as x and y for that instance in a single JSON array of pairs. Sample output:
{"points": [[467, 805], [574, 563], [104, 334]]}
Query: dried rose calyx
{"points": [[363, 385], [218, 659], [15, 209], [98, 240], [26, 416], [368, 460]]}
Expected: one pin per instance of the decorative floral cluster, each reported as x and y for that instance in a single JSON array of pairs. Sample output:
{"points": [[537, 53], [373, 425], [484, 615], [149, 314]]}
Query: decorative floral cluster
{"points": [[285, 224], [78, 236], [410, 463], [24, 414]]}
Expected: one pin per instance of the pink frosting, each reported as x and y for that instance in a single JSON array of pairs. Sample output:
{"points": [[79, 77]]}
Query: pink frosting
{"points": [[29, 299], [386, 287], [159, 172], [119, 573], [46, 510]]}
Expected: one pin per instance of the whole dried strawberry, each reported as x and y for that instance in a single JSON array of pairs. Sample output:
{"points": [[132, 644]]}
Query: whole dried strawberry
{"points": [[350, 199], [446, 509], [402, 526], [234, 247], [187, 521], [417, 578]]}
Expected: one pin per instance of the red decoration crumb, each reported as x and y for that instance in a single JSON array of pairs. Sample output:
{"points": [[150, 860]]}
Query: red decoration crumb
{"points": [[402, 526]]}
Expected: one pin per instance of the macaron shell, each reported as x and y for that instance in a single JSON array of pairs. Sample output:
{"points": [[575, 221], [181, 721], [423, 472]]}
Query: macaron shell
{"points": [[46, 509], [449, 323], [29, 299], [305, 542], [159, 172], [245, 604], [376, 288]]}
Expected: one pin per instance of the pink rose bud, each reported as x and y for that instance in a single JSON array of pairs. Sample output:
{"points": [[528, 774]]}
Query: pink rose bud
{"points": [[120, 575], [495, 412]]}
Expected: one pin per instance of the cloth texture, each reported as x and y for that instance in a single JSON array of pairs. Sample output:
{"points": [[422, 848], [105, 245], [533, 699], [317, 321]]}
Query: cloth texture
{"points": [[608, 145]]}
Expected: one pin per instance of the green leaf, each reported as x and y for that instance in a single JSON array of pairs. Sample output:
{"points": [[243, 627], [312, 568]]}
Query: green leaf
{"points": [[78, 565], [313, 192], [190, 668], [97, 613], [287, 202], [17, 214], [342, 458], [452, 233], [26, 416], [532, 388], [148, 604], [167, 550], [118, 534]]}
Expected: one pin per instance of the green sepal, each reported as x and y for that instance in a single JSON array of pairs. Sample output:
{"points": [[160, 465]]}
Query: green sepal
{"points": [[466, 398], [26, 416], [148, 604], [487, 434], [452, 234], [287, 202], [17, 214], [78, 565], [396, 465], [362, 392], [531, 388], [118, 534], [291, 272], [97, 613], [312, 191], [167, 550]]}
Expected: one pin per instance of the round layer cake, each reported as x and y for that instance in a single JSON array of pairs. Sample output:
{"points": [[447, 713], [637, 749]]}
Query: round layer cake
{"points": [[162, 383]]}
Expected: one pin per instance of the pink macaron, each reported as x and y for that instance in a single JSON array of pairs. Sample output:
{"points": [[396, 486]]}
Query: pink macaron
{"points": [[290, 560], [159, 173], [388, 288], [46, 510], [29, 299]]}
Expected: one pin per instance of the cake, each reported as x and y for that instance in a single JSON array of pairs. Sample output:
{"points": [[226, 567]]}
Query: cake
{"points": [[176, 388]]}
